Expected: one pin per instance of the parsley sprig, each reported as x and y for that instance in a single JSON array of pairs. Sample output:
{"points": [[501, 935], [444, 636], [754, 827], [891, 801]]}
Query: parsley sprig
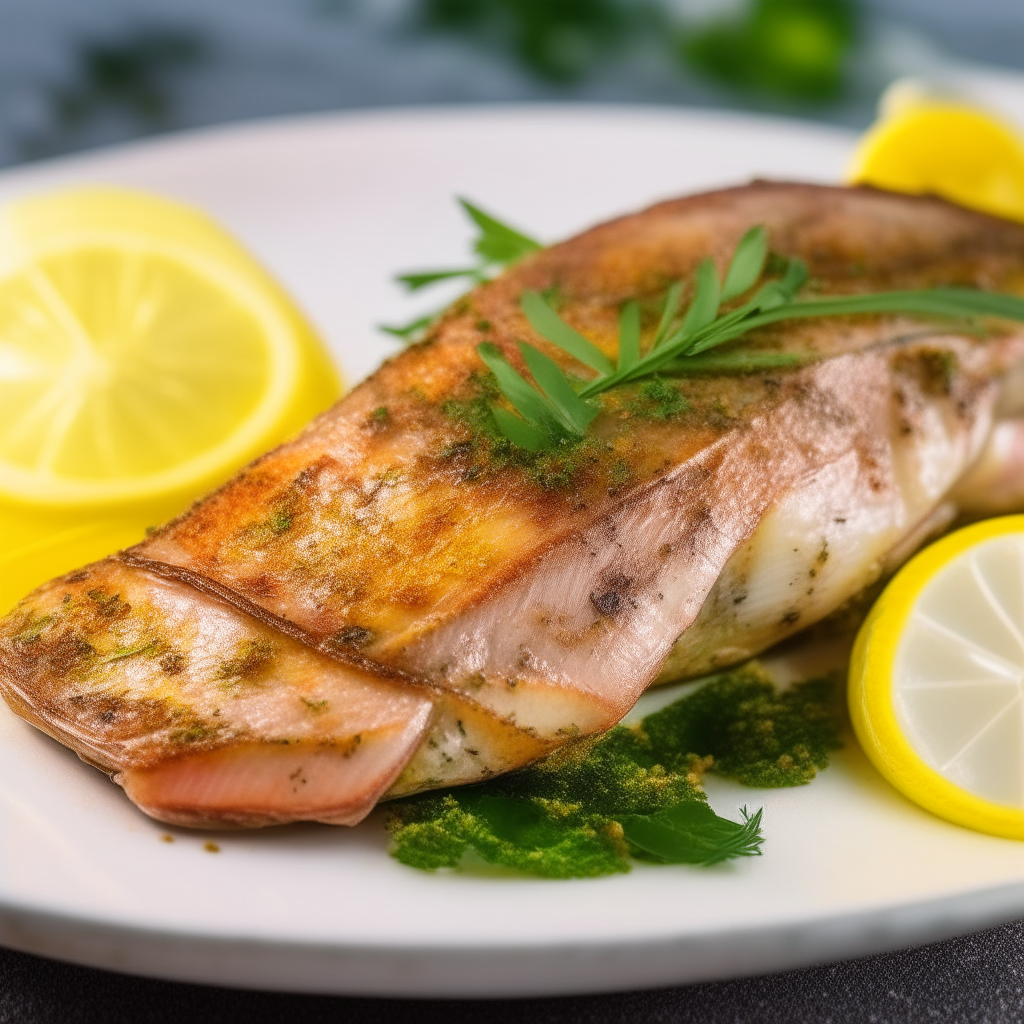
{"points": [[551, 409]]}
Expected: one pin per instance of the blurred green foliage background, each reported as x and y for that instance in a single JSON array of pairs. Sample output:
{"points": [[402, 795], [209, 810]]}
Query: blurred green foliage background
{"points": [[74, 75]]}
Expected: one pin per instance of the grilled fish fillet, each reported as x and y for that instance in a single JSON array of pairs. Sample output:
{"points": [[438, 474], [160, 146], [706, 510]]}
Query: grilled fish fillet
{"points": [[395, 600]]}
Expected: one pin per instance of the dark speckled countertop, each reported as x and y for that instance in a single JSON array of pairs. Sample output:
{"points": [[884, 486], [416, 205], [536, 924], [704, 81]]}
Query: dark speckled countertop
{"points": [[977, 979]]}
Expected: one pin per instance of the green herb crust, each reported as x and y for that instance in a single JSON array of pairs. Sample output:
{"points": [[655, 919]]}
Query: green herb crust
{"points": [[635, 792]]}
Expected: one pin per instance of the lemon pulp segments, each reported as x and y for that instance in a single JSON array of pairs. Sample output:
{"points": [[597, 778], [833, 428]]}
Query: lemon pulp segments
{"points": [[144, 357], [110, 385], [937, 678]]}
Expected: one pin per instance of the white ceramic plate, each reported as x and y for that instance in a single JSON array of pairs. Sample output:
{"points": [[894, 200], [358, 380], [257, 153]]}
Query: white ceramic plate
{"points": [[335, 206]]}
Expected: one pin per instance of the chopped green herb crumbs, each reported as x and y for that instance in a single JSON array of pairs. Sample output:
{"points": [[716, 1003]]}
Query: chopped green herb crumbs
{"points": [[280, 522], [634, 792], [33, 629], [251, 657], [658, 399], [488, 449]]}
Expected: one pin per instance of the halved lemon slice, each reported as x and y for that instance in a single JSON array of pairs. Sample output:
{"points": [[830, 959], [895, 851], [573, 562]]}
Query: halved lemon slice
{"points": [[143, 353], [937, 678], [945, 148]]}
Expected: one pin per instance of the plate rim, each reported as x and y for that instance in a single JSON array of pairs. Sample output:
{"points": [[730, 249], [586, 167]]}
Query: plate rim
{"points": [[772, 946]]}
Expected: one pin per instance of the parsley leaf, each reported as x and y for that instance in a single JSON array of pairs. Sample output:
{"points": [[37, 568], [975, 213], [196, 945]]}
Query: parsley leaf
{"points": [[634, 792]]}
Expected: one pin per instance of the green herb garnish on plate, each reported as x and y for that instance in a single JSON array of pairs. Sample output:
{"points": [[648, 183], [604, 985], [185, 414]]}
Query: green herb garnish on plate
{"points": [[633, 793]]}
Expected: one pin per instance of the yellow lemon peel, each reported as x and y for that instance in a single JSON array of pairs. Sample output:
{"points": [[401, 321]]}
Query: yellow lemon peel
{"points": [[945, 148], [937, 678]]}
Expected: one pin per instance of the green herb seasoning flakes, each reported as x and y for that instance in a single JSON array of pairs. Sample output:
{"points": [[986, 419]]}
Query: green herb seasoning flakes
{"points": [[634, 792]]}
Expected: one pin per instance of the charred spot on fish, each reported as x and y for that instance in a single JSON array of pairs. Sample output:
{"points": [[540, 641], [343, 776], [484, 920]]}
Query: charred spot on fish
{"points": [[352, 638], [315, 707], [109, 605], [76, 577], [66, 651], [459, 449], [172, 663], [933, 369], [263, 585], [609, 602], [791, 618], [739, 599]]}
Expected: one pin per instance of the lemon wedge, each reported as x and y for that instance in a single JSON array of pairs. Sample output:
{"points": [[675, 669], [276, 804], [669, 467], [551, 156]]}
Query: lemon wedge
{"points": [[142, 352], [937, 678], [144, 357], [945, 148]]}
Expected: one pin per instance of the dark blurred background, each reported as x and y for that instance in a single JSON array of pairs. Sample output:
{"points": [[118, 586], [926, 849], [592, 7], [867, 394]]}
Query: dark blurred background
{"points": [[81, 73]]}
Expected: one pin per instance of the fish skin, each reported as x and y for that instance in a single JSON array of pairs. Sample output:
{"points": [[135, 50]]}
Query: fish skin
{"points": [[517, 610], [150, 680]]}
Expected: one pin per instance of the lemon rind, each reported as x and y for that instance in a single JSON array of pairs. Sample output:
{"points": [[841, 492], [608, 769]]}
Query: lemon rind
{"points": [[860, 170], [873, 711]]}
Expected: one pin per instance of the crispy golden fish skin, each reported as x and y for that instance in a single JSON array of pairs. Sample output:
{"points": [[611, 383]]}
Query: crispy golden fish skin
{"points": [[518, 601], [205, 716]]}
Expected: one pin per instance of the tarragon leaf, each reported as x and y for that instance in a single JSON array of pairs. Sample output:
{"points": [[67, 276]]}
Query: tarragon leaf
{"points": [[574, 413], [410, 332], [527, 400], [668, 314], [629, 336], [734, 362], [795, 277], [778, 293], [548, 324], [706, 299], [747, 263], [522, 434], [415, 280], [498, 243]]}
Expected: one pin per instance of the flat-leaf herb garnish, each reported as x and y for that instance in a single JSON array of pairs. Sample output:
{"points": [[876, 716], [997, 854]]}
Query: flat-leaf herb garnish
{"points": [[551, 410], [633, 793]]}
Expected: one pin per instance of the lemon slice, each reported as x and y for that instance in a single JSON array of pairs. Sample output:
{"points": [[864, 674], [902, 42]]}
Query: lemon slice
{"points": [[143, 353], [937, 678], [945, 148]]}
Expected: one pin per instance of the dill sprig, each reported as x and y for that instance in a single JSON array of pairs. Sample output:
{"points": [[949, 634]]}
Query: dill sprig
{"points": [[551, 409]]}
